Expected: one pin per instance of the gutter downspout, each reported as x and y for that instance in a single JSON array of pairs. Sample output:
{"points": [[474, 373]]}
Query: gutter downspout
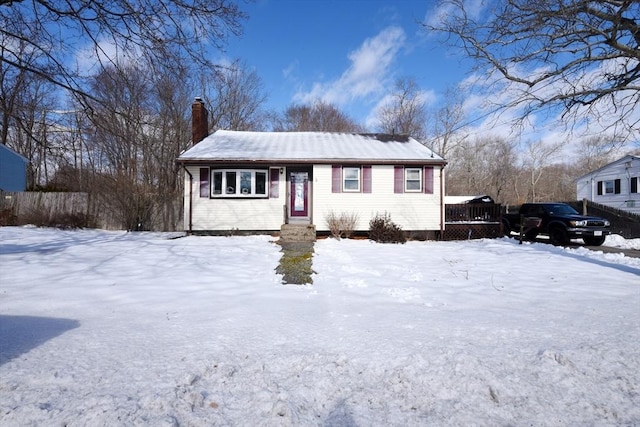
{"points": [[190, 198], [441, 202]]}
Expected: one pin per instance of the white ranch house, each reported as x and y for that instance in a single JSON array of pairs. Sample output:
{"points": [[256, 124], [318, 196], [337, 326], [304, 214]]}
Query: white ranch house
{"points": [[258, 181], [614, 185]]}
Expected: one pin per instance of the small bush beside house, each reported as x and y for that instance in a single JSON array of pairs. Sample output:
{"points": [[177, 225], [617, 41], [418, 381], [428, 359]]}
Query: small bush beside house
{"points": [[383, 230]]}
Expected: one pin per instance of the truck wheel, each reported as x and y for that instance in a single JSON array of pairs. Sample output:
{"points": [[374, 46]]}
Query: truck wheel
{"points": [[506, 230], [558, 236], [531, 235], [594, 241]]}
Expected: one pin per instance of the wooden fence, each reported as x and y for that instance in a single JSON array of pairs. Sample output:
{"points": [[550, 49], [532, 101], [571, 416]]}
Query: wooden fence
{"points": [[70, 209], [622, 222]]}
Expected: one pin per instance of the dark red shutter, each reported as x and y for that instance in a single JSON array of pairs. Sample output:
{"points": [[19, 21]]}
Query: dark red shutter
{"points": [[616, 184], [428, 180], [398, 179], [274, 183], [204, 182], [366, 179], [336, 179], [599, 189]]}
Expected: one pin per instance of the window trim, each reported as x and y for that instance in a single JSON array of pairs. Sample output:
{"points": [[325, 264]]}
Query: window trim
{"points": [[358, 179], [338, 178], [238, 185], [613, 184], [426, 180], [608, 187], [407, 170]]}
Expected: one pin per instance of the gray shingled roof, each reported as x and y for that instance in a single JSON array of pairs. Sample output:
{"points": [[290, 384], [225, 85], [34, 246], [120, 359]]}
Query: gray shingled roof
{"points": [[321, 147]]}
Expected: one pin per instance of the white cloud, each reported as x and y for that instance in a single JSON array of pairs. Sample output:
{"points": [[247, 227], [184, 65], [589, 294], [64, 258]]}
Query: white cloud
{"points": [[366, 76], [444, 10], [90, 57], [290, 69], [492, 107]]}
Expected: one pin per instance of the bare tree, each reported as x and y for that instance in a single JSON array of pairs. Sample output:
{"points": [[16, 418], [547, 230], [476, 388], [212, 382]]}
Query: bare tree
{"points": [[582, 56], [538, 157], [171, 135], [594, 152], [480, 166], [501, 160], [459, 170], [557, 183], [237, 98], [448, 124], [406, 113], [134, 134], [29, 124], [151, 29], [319, 117]]}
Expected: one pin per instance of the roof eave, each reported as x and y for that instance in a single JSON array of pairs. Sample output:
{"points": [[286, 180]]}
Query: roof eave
{"points": [[436, 162]]}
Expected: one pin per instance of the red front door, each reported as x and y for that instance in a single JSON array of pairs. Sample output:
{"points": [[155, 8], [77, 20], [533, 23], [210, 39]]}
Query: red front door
{"points": [[299, 199]]}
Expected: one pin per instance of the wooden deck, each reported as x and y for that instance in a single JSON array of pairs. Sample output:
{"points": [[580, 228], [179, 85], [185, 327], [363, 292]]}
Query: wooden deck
{"points": [[472, 221]]}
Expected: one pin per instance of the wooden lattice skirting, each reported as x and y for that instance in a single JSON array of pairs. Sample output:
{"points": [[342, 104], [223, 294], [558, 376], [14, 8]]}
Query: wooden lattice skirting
{"points": [[464, 231]]}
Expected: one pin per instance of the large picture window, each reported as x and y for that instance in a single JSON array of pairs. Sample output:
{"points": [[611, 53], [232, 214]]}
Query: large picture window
{"points": [[239, 183]]}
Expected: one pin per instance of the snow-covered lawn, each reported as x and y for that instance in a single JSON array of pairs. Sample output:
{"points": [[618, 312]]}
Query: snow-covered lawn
{"points": [[110, 328]]}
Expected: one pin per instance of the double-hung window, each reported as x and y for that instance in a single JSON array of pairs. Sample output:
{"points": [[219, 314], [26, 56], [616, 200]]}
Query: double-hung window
{"points": [[351, 179], [413, 180], [239, 183], [611, 186]]}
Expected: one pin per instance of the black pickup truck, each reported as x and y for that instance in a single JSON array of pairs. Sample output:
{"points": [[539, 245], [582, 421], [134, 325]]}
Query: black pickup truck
{"points": [[559, 221]]}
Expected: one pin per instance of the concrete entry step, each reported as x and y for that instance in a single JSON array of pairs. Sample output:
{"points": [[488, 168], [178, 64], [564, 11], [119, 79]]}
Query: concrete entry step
{"points": [[298, 233]]}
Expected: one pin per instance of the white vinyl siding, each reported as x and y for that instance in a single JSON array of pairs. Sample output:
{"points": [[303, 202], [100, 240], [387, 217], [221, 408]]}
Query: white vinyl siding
{"points": [[612, 185], [412, 211], [234, 213]]}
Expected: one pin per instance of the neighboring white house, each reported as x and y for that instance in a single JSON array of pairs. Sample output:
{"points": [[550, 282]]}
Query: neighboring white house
{"points": [[614, 185], [13, 170], [257, 181]]}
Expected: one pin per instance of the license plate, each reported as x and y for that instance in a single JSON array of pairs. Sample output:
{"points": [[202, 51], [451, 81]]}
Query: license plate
{"points": [[597, 233]]}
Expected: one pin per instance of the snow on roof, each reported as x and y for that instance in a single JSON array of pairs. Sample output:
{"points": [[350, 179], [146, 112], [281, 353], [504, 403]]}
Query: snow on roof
{"points": [[456, 200], [226, 145]]}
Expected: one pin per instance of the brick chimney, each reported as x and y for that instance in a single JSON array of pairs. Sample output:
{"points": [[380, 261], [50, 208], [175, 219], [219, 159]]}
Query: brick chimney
{"points": [[199, 121]]}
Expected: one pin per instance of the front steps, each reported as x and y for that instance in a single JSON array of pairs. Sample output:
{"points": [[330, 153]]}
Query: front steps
{"points": [[298, 233]]}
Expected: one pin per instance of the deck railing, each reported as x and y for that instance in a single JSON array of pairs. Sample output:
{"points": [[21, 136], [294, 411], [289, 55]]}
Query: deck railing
{"points": [[487, 212]]}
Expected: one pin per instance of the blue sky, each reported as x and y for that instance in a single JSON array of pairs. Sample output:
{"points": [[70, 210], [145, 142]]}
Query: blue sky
{"points": [[345, 52], [350, 52]]}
